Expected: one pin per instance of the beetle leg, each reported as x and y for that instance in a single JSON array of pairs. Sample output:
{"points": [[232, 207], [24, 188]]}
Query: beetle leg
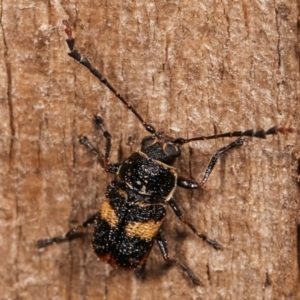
{"points": [[179, 214], [105, 163], [187, 183], [237, 143], [100, 125], [70, 235], [162, 243], [140, 272]]}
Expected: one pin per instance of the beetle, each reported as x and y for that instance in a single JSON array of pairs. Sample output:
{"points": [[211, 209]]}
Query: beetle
{"points": [[130, 220]]}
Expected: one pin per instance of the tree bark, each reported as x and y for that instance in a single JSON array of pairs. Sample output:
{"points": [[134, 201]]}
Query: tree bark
{"points": [[190, 68]]}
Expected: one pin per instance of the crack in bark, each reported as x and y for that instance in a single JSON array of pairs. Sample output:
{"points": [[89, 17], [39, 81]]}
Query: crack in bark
{"points": [[279, 59], [298, 33], [298, 250], [14, 184], [228, 22], [9, 85], [279, 37]]}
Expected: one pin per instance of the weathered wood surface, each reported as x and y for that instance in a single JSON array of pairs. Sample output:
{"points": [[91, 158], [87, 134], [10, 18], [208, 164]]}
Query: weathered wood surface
{"points": [[190, 68]]}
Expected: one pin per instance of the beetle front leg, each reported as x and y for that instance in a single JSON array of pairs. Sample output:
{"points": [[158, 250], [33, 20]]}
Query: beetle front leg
{"points": [[105, 163], [179, 214], [188, 183], [237, 143], [162, 243], [70, 235]]}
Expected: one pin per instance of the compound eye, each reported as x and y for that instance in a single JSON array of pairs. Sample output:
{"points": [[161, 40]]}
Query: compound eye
{"points": [[147, 141], [171, 150]]}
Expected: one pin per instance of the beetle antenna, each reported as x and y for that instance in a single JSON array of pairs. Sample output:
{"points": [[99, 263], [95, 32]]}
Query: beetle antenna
{"points": [[262, 134], [84, 61]]}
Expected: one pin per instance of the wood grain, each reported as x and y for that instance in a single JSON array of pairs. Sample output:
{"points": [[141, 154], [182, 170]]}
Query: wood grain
{"points": [[189, 68]]}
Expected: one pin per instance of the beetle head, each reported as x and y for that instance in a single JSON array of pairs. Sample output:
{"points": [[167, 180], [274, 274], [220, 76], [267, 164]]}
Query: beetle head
{"points": [[161, 147]]}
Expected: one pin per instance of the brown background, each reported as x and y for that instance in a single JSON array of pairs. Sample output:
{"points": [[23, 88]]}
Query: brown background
{"points": [[190, 68]]}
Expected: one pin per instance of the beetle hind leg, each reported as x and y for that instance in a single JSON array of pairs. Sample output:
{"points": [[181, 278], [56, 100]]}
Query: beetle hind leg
{"points": [[162, 243]]}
